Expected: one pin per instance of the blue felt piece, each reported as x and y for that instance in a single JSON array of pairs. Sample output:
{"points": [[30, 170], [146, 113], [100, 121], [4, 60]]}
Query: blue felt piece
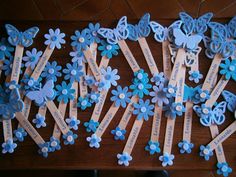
{"points": [[190, 94], [124, 158], [21, 38], [114, 35], [230, 98], [121, 96], [141, 29], [54, 38], [42, 95]]}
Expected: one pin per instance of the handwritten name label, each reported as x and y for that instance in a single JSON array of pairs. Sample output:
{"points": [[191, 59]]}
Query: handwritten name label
{"points": [[7, 129], [169, 135], [16, 68], [73, 103], [156, 123], [188, 121], [166, 58], [98, 107]]}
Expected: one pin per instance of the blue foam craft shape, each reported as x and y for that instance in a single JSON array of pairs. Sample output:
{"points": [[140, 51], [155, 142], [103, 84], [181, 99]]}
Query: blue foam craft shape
{"points": [[141, 29], [190, 93], [17, 37], [41, 96], [121, 32], [230, 98]]}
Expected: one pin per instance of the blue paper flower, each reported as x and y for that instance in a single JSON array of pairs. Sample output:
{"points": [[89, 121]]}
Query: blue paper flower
{"points": [[51, 71], [5, 49], [110, 76], [143, 109], [140, 76], [167, 159], [140, 88], [108, 50], [39, 121], [94, 141], [158, 78], [91, 125], [44, 149], [83, 103], [121, 96], [19, 134], [195, 76], [54, 38], [175, 109], [124, 158], [159, 95], [65, 92], [205, 152], [78, 57], [32, 58], [93, 30], [7, 66], [8, 146], [81, 40], [73, 123], [229, 69], [69, 138], [170, 91], [202, 95], [153, 147], [73, 72], [54, 144], [185, 146], [93, 97], [89, 80], [223, 169], [119, 134]]}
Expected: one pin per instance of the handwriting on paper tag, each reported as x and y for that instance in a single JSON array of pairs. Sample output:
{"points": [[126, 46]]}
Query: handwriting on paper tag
{"points": [[156, 123], [98, 107], [7, 129], [166, 59]]}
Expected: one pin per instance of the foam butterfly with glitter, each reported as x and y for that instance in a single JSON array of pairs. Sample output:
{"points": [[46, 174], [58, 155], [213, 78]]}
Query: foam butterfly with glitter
{"points": [[42, 95], [17, 37], [230, 98], [119, 33]]}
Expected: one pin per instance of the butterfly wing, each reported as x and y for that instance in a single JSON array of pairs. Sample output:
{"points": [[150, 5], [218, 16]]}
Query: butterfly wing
{"points": [[28, 35], [232, 27], [133, 32], [121, 30], [201, 23], [173, 52], [230, 98], [15, 103], [228, 49], [218, 31], [218, 116], [188, 93], [176, 24], [206, 121], [14, 35], [109, 35], [143, 25], [180, 39], [193, 41], [36, 96], [47, 90], [188, 22], [159, 31]]}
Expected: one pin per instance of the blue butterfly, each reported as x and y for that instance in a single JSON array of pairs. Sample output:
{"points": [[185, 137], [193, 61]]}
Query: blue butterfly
{"points": [[189, 42], [164, 33], [12, 105], [142, 29], [230, 98], [42, 95], [196, 26], [21, 38], [190, 92], [114, 35]]}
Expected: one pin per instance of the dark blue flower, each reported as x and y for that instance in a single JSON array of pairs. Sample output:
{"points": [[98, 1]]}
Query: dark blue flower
{"points": [[143, 109], [158, 78], [153, 147], [51, 71], [121, 96], [91, 125], [89, 80], [185, 146], [175, 109], [73, 72], [44, 149], [8, 146], [170, 91], [73, 123], [69, 138], [54, 38], [32, 58], [30, 84], [65, 92], [54, 144], [19, 134], [140, 88], [140, 76], [5, 49], [39, 121], [93, 30], [202, 95], [83, 103], [7, 66], [118, 133], [81, 40], [108, 50]]}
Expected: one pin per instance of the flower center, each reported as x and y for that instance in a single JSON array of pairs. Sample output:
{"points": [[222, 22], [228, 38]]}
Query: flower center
{"points": [[143, 109], [3, 48], [93, 97], [18, 134], [94, 33], [178, 108], [69, 138], [224, 168], [203, 95], [205, 111], [122, 96], [140, 86], [194, 75], [73, 72], [231, 68], [12, 86], [84, 103], [206, 151], [108, 77], [54, 38], [185, 146], [118, 133], [72, 123], [64, 91], [165, 158], [30, 83], [44, 149], [171, 90], [33, 58], [140, 76], [51, 71], [153, 147], [81, 39], [54, 144], [108, 47]]}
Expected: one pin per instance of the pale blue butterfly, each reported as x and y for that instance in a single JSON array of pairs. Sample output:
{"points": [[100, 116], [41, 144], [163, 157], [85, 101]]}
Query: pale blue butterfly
{"points": [[230, 98], [114, 35]]}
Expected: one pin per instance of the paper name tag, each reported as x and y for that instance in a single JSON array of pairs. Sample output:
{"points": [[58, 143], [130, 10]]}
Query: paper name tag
{"points": [[156, 124], [73, 103], [188, 121], [83, 88], [16, 68], [166, 59], [7, 129]]}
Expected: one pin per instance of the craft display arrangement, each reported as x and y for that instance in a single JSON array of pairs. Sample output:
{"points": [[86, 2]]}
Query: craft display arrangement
{"points": [[163, 96]]}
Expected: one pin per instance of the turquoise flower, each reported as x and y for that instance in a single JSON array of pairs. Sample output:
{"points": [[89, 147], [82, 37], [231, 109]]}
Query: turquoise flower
{"points": [[32, 58], [93, 97], [140, 88], [121, 96], [73, 123], [119, 134], [69, 138], [65, 92], [174, 109], [159, 95], [229, 69], [93, 30], [89, 80], [108, 50], [206, 152], [54, 144], [51, 71], [5, 49], [44, 149], [19, 134], [83, 103], [140, 76], [91, 125], [78, 57], [54, 38], [94, 141], [167, 159], [153, 147], [39, 121], [8, 146], [223, 169], [195, 76], [202, 95], [7, 66], [170, 91], [185, 146], [158, 78], [81, 40], [110, 76], [143, 109], [124, 158], [73, 72]]}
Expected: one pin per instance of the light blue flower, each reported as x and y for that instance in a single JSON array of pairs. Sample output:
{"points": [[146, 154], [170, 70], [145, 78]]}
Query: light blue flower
{"points": [[203, 111], [78, 57], [158, 78], [228, 69], [19, 134], [108, 50], [175, 109], [69, 138], [54, 38], [94, 37], [5, 49], [8, 146], [110, 76], [223, 169], [167, 159], [143, 109], [65, 92], [159, 95], [205, 152], [32, 58], [153, 147], [51, 71], [124, 158], [202, 95], [94, 141], [39, 121], [83, 103], [121, 96], [185, 146], [73, 72], [93, 97], [44, 149], [89, 80], [140, 88], [195, 76], [30, 84], [81, 40], [73, 123], [119, 134], [140, 76], [54, 144], [170, 91], [91, 125], [7, 66]]}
